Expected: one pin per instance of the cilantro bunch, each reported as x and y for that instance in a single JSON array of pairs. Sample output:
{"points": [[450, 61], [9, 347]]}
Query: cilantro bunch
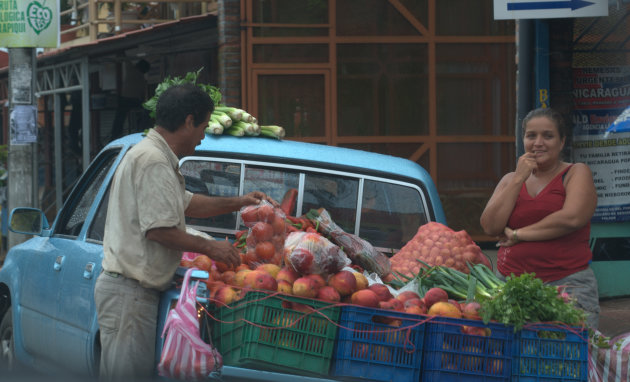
{"points": [[526, 299], [189, 78]]}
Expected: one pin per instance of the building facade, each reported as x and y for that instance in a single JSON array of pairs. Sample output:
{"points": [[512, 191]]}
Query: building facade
{"points": [[433, 81]]}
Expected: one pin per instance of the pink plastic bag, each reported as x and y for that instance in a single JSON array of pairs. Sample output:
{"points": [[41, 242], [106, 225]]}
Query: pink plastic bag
{"points": [[185, 355], [190, 256], [610, 362]]}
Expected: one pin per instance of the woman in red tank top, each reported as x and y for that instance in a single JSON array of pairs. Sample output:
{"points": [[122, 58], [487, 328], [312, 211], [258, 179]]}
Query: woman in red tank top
{"points": [[541, 214]]}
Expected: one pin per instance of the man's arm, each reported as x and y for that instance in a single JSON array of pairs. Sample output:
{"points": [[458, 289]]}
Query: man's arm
{"points": [[202, 206], [173, 238]]}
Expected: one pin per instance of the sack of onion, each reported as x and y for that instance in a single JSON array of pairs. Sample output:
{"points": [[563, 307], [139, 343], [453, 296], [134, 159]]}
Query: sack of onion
{"points": [[437, 244]]}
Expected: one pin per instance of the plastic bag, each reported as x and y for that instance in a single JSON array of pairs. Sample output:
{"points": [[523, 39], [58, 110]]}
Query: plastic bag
{"points": [[310, 253], [358, 250], [266, 233], [609, 360], [185, 355]]}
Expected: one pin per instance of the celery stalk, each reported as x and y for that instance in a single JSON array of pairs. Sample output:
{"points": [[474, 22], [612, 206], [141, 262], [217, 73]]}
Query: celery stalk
{"points": [[248, 128], [272, 131], [214, 127], [246, 117], [235, 131], [222, 118], [234, 113]]}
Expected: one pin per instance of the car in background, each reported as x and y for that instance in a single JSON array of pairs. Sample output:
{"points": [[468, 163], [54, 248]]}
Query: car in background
{"points": [[47, 313]]}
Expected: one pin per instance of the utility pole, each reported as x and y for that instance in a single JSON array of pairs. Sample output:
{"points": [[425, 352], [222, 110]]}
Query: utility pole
{"points": [[22, 185]]}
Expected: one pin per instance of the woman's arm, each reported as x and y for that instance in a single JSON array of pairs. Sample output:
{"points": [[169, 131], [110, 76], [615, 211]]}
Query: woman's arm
{"points": [[499, 208], [495, 216], [578, 209]]}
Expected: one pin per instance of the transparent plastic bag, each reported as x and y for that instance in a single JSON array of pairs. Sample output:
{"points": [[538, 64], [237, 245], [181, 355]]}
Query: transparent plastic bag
{"points": [[266, 233], [311, 253], [360, 252]]}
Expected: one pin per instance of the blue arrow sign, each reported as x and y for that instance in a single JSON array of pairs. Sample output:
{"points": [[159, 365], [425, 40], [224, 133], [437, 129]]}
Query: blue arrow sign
{"points": [[538, 5]]}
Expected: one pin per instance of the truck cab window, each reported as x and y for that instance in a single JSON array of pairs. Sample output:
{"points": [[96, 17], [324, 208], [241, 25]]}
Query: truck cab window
{"points": [[82, 197], [212, 178], [385, 209]]}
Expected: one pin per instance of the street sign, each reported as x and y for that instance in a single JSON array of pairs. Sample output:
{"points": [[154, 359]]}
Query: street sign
{"points": [[548, 9]]}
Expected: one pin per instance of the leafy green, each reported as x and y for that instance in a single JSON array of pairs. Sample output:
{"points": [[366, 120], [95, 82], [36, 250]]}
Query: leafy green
{"points": [[526, 299], [189, 78]]}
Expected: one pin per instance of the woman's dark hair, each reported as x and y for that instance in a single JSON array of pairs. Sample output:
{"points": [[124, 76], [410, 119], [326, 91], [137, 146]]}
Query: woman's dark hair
{"points": [[549, 113], [180, 101]]}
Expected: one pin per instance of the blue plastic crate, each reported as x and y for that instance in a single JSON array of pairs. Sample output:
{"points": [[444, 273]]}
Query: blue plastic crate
{"points": [[550, 353], [451, 354], [378, 345]]}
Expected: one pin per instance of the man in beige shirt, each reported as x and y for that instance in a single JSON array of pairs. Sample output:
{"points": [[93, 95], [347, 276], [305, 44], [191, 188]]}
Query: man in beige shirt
{"points": [[145, 232]]}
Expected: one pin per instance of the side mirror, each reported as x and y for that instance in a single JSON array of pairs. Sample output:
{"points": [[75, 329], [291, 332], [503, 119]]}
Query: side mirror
{"points": [[30, 221]]}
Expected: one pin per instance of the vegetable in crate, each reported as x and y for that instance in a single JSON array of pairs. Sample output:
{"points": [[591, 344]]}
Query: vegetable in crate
{"points": [[526, 299], [358, 250], [311, 253], [437, 244]]}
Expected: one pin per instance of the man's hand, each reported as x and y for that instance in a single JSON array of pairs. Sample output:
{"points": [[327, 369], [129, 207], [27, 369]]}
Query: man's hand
{"points": [[255, 197], [224, 252]]}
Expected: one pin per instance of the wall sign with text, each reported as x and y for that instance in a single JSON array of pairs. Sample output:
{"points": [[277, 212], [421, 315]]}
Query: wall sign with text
{"points": [[29, 23], [601, 95]]}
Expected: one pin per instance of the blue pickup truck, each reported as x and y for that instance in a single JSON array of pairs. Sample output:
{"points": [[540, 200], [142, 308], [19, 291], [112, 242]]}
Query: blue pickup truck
{"points": [[47, 315]]}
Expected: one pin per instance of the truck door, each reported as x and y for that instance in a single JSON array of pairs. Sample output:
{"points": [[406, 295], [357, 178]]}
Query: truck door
{"points": [[75, 317]]}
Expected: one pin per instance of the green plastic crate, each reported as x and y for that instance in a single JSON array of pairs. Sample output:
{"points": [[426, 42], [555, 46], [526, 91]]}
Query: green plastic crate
{"points": [[277, 333]]}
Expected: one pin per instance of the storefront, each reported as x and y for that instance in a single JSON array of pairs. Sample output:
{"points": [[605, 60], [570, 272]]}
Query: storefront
{"points": [[441, 83], [431, 81]]}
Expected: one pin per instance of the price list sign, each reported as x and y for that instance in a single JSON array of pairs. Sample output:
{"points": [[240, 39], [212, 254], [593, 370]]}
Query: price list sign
{"points": [[601, 136]]}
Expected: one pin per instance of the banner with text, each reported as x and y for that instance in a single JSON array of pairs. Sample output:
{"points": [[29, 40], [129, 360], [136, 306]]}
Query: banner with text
{"points": [[29, 23], [601, 94]]}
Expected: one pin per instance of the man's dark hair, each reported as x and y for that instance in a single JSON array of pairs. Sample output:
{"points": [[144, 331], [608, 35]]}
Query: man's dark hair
{"points": [[179, 101]]}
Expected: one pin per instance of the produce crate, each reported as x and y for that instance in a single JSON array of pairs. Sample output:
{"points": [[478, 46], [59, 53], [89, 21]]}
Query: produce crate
{"points": [[550, 353], [277, 333], [450, 354], [379, 345]]}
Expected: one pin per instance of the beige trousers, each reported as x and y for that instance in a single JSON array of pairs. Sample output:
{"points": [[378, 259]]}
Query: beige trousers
{"points": [[127, 317]]}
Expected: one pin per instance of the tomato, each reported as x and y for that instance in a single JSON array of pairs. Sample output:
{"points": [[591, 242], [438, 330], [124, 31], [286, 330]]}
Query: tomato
{"points": [[250, 257], [266, 213], [249, 214], [278, 242], [265, 250], [262, 231], [278, 224]]}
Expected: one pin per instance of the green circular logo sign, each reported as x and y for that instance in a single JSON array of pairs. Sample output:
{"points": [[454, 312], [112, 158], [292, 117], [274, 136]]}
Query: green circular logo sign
{"points": [[39, 17]]}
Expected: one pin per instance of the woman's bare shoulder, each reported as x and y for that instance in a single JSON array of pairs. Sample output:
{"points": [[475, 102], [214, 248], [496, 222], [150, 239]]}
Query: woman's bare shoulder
{"points": [[505, 179], [580, 168], [580, 172]]}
